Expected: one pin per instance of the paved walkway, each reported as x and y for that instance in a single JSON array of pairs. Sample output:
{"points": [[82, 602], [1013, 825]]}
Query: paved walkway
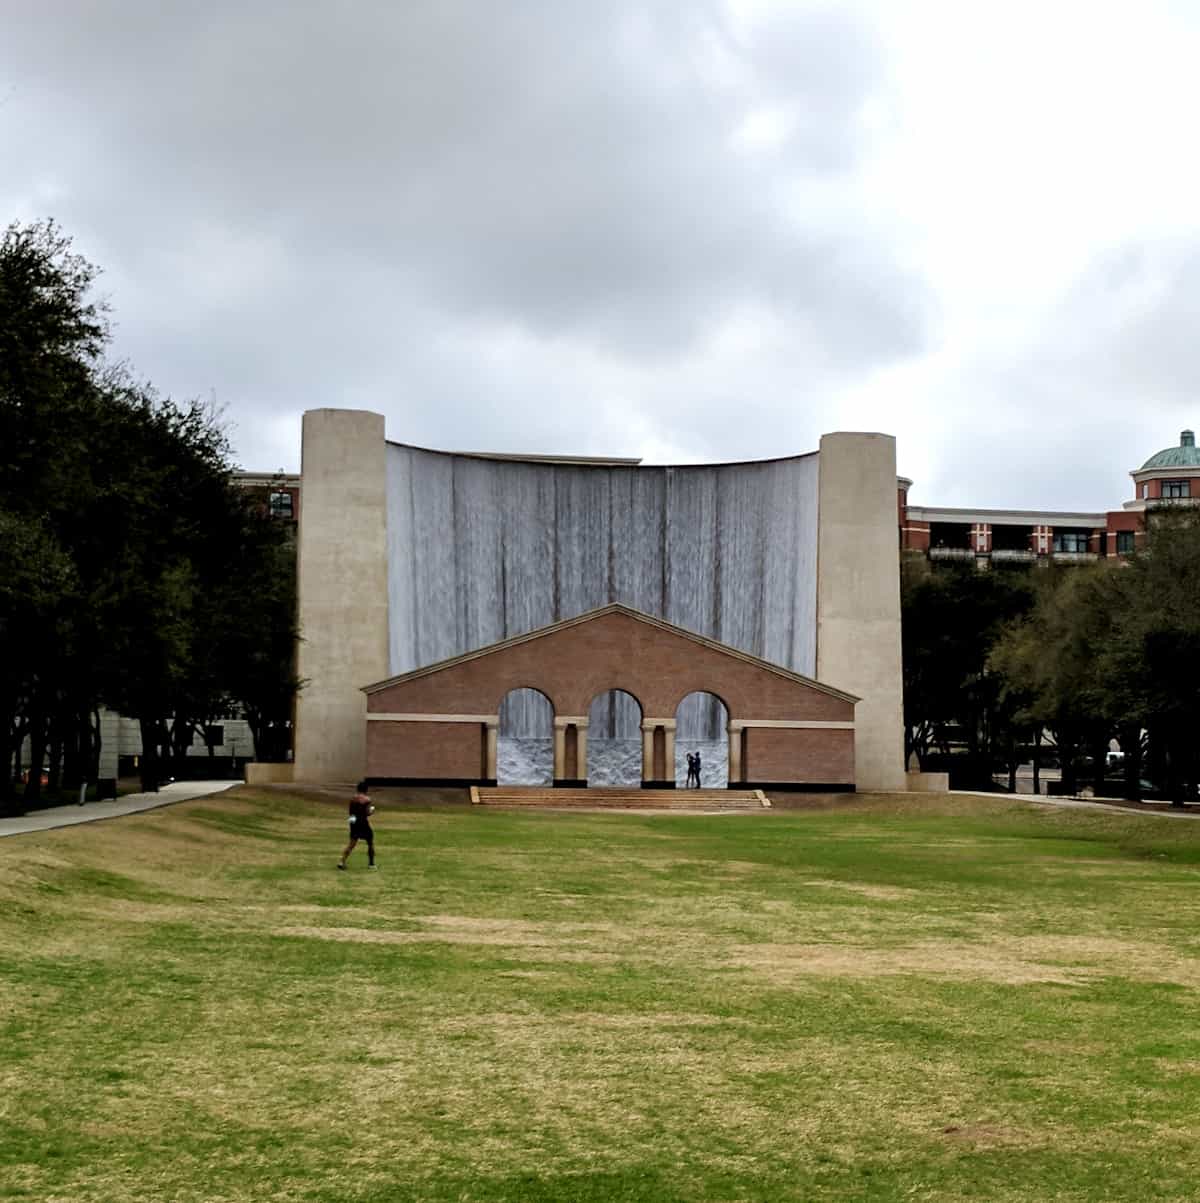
{"points": [[1128, 808], [90, 812]]}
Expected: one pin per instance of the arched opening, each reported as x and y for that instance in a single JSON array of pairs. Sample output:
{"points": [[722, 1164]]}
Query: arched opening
{"points": [[702, 729], [525, 742], [614, 747]]}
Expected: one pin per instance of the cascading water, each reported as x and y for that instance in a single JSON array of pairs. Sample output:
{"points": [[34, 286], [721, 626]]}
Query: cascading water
{"points": [[483, 549]]}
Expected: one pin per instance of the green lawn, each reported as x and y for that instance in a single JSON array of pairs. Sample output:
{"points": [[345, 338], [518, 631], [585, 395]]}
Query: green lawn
{"points": [[889, 999]]}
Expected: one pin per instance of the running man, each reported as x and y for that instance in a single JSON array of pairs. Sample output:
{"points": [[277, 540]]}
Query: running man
{"points": [[361, 811]]}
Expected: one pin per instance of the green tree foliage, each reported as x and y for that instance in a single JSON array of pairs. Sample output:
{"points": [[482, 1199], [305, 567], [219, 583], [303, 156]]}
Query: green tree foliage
{"points": [[952, 616], [1054, 667], [133, 574], [1114, 650]]}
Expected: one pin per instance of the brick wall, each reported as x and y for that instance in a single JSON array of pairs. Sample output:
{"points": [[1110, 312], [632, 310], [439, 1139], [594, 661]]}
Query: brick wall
{"points": [[774, 754], [572, 665], [446, 751]]}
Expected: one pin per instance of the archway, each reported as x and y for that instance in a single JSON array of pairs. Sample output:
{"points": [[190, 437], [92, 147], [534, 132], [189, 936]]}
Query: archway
{"points": [[525, 743], [702, 726], [614, 748]]}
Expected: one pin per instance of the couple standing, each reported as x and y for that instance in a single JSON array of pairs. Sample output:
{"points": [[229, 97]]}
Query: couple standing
{"points": [[693, 773]]}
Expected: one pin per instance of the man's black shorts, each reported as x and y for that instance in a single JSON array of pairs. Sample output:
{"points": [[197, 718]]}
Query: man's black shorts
{"points": [[362, 831]]}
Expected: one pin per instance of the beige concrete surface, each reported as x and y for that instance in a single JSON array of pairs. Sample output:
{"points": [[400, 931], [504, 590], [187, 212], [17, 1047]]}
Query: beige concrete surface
{"points": [[928, 783], [342, 584], [90, 812], [858, 597], [267, 773]]}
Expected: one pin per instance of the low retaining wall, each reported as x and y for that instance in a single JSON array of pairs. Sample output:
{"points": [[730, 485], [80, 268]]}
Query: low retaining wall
{"points": [[263, 773], [928, 783]]}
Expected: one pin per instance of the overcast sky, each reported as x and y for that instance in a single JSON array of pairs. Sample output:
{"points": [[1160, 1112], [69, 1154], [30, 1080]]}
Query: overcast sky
{"points": [[686, 230]]}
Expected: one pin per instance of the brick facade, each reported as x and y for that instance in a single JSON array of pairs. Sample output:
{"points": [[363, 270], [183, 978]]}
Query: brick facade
{"points": [[613, 648]]}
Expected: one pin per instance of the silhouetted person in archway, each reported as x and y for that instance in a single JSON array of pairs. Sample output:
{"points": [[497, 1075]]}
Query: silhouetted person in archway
{"points": [[697, 762]]}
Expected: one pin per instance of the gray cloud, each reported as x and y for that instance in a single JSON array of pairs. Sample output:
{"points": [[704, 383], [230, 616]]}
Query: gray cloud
{"points": [[307, 203], [1111, 375]]}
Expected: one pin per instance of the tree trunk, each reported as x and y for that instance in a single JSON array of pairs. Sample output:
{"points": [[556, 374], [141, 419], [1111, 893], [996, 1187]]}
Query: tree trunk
{"points": [[149, 765], [56, 753], [1131, 745], [8, 729], [1099, 749], [91, 721], [37, 752], [1067, 758], [1037, 760]]}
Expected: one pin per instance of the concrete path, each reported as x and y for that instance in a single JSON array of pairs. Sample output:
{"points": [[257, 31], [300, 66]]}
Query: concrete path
{"points": [[1129, 808], [130, 804]]}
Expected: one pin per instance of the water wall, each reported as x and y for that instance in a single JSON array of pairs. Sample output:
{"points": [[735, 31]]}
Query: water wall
{"points": [[482, 549]]}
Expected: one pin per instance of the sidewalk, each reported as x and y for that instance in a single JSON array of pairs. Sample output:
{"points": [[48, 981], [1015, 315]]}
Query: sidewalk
{"points": [[91, 812], [1124, 806]]}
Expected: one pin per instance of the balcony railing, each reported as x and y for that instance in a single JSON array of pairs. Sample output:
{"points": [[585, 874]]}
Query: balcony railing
{"points": [[1075, 557], [1014, 555], [951, 553]]}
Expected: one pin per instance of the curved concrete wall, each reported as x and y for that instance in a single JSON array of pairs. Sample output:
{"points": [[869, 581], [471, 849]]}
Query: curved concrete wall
{"points": [[480, 550]]}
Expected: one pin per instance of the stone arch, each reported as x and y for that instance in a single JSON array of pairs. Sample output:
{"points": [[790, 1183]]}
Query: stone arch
{"points": [[525, 740], [614, 744], [702, 725]]}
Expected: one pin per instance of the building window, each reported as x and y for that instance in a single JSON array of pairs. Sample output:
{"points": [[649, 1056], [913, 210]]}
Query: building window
{"points": [[1176, 488], [1070, 540], [281, 505], [1124, 542]]}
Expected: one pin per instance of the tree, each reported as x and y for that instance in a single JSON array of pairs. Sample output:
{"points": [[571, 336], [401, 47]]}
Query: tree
{"points": [[132, 572], [1052, 665], [1154, 651], [951, 616]]}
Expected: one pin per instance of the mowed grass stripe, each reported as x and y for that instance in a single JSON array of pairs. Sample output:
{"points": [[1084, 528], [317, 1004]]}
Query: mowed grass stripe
{"points": [[882, 999]]}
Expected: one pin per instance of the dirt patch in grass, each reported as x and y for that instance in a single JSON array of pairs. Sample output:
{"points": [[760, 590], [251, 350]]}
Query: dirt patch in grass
{"points": [[784, 963], [867, 890], [990, 1136], [1062, 960]]}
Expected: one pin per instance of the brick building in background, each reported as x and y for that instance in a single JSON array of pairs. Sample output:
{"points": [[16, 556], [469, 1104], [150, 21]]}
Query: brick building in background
{"points": [[1169, 478]]}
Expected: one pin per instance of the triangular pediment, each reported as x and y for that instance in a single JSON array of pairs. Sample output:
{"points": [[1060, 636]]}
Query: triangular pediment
{"points": [[591, 616]]}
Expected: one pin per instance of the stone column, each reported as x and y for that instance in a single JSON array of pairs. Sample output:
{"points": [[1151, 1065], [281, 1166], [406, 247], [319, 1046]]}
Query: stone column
{"points": [[735, 753], [341, 569], [858, 598], [560, 750], [581, 732], [654, 776], [493, 736]]}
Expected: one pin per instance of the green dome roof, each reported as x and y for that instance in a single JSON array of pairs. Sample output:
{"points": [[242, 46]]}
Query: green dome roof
{"points": [[1186, 455]]}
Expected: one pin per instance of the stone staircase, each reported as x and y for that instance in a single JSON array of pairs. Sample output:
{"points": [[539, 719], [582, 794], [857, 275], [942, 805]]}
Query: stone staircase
{"points": [[620, 798]]}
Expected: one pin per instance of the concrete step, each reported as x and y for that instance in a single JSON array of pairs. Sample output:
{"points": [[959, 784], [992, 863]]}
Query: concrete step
{"points": [[619, 798]]}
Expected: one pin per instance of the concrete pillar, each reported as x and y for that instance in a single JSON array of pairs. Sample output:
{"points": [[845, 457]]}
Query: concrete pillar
{"points": [[858, 598], [342, 585], [658, 753], [492, 737], [735, 753], [560, 749], [581, 733]]}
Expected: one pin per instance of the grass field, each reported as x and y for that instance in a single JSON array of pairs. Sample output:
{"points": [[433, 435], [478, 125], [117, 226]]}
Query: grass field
{"points": [[889, 999]]}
